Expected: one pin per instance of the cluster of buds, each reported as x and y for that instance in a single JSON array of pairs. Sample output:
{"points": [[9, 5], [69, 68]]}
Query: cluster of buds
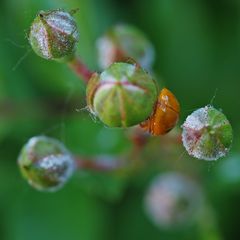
{"points": [[122, 95]]}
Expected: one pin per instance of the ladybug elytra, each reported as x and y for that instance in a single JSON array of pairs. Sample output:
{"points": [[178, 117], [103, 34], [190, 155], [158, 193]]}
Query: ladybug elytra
{"points": [[165, 114]]}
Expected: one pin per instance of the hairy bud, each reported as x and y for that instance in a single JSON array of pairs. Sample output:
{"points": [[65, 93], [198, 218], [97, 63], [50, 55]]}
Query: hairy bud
{"points": [[207, 134], [45, 163], [54, 34]]}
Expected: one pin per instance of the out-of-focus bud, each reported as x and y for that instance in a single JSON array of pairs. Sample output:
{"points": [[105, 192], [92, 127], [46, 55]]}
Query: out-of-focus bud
{"points": [[46, 163], [123, 41], [122, 96], [207, 134], [173, 200], [54, 34]]}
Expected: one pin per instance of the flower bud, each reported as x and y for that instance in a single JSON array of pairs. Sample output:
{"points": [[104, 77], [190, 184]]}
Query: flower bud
{"points": [[121, 42], [45, 163], [207, 134], [54, 34], [173, 200], [121, 96]]}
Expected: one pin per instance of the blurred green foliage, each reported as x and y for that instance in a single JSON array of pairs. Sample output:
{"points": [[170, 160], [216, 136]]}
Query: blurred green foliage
{"points": [[198, 50]]}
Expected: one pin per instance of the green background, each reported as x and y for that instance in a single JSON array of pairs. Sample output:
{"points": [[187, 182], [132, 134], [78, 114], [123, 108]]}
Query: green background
{"points": [[197, 46]]}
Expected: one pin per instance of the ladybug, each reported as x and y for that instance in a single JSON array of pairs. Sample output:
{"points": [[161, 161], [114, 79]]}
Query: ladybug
{"points": [[165, 114]]}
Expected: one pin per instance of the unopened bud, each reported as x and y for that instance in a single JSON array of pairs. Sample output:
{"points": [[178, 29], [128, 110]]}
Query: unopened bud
{"points": [[122, 96], [173, 200], [54, 34], [46, 163], [207, 134], [123, 41]]}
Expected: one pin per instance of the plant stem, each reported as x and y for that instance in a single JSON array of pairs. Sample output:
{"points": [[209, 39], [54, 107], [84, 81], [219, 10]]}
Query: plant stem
{"points": [[80, 69], [98, 164]]}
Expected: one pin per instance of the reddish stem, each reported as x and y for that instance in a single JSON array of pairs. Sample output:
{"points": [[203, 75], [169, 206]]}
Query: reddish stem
{"points": [[80, 69], [98, 164]]}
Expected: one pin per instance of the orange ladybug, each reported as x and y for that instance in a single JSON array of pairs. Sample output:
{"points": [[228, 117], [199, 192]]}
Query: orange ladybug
{"points": [[165, 115]]}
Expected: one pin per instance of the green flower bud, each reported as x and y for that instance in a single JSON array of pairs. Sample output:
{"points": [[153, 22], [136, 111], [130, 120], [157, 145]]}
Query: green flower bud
{"points": [[54, 34], [173, 200], [45, 163], [122, 96], [121, 42], [207, 134]]}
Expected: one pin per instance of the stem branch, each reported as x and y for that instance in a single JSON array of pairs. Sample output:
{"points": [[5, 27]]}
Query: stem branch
{"points": [[80, 69], [99, 164]]}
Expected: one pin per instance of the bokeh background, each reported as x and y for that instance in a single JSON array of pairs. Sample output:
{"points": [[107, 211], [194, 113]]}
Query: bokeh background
{"points": [[197, 46]]}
